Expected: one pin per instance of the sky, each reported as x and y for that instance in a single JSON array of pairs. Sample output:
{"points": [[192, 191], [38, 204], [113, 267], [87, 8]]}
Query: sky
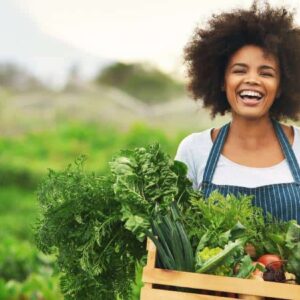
{"points": [[128, 30]]}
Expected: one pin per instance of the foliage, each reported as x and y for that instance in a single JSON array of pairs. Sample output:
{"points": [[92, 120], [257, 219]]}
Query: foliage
{"points": [[144, 82], [174, 248], [35, 286], [25, 273], [96, 225], [96, 254], [137, 284], [18, 210], [25, 159], [103, 219], [206, 218], [207, 253], [292, 239], [146, 182], [19, 259], [220, 262], [15, 176]]}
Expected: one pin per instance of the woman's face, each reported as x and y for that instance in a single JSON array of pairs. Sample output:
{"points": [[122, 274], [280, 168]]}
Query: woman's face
{"points": [[251, 82]]}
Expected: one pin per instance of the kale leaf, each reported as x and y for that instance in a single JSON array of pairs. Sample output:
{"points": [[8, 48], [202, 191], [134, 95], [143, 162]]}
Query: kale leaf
{"points": [[146, 182]]}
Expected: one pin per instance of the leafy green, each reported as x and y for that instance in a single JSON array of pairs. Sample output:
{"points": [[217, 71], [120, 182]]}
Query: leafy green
{"points": [[293, 244], [246, 267], [270, 238], [282, 238], [225, 257], [97, 225], [208, 253], [174, 248], [220, 218], [146, 182], [81, 223]]}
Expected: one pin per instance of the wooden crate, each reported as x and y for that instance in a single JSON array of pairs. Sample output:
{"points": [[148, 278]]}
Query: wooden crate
{"points": [[158, 284]]}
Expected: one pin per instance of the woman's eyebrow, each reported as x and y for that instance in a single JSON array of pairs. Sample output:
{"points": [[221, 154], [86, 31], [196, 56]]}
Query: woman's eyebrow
{"points": [[267, 67], [239, 65], [246, 66]]}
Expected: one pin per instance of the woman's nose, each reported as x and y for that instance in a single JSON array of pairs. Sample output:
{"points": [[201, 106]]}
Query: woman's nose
{"points": [[252, 81]]}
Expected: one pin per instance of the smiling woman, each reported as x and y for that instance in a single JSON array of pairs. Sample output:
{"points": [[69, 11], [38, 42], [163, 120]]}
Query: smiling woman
{"points": [[247, 62], [251, 82]]}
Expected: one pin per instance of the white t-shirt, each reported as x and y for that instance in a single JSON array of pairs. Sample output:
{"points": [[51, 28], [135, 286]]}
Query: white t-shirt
{"points": [[194, 151]]}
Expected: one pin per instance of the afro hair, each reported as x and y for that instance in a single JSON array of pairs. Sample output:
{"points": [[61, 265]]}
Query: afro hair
{"points": [[209, 50]]}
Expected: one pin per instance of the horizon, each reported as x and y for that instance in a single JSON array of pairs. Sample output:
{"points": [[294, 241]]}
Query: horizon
{"points": [[56, 34]]}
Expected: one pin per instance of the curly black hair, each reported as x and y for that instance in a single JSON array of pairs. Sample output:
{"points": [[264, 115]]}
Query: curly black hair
{"points": [[208, 52]]}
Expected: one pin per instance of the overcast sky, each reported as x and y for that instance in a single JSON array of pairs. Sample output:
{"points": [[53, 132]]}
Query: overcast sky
{"points": [[128, 30]]}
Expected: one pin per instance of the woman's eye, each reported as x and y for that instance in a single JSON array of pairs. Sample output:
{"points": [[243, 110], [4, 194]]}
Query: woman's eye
{"points": [[267, 74], [239, 71]]}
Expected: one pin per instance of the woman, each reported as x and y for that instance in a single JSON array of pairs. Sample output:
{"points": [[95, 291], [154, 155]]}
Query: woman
{"points": [[247, 62]]}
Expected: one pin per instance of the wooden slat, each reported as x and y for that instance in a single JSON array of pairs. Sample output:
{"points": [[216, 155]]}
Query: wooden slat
{"points": [[157, 294], [151, 257], [221, 283]]}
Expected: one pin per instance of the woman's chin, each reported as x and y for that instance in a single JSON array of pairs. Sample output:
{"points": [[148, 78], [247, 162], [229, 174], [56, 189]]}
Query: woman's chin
{"points": [[252, 113]]}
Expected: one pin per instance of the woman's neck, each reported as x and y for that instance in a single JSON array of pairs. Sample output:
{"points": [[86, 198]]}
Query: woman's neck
{"points": [[251, 133]]}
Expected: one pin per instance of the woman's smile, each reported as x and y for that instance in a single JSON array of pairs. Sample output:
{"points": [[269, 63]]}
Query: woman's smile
{"points": [[251, 82], [250, 97]]}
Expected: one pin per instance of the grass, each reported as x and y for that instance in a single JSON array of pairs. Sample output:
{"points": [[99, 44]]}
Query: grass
{"points": [[26, 270], [18, 211]]}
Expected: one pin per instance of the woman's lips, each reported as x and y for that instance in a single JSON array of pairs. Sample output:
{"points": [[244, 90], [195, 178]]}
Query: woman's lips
{"points": [[250, 102]]}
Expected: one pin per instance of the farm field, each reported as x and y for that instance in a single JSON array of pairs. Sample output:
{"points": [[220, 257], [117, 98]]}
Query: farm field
{"points": [[39, 134], [41, 131]]}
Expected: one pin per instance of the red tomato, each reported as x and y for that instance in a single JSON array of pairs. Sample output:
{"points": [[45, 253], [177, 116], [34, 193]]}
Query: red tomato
{"points": [[271, 260]]}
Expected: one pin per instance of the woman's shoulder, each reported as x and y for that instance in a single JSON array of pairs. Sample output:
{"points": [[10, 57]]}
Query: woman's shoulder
{"points": [[195, 147], [193, 150], [296, 143], [296, 129], [197, 139]]}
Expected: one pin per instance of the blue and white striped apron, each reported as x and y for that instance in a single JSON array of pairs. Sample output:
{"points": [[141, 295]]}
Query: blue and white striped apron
{"points": [[281, 200]]}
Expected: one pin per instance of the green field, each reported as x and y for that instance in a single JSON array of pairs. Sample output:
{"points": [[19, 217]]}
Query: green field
{"points": [[26, 273], [49, 130]]}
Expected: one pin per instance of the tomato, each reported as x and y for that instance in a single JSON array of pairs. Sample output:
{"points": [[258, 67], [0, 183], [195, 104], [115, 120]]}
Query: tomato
{"points": [[271, 260]]}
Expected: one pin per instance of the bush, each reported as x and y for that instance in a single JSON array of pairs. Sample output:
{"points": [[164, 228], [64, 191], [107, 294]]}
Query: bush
{"points": [[143, 82], [18, 259]]}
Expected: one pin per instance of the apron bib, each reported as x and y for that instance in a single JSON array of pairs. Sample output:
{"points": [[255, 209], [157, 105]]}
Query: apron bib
{"points": [[281, 200]]}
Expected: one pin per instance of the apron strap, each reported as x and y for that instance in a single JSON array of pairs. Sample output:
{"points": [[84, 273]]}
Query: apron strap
{"points": [[288, 151], [220, 140], [215, 154]]}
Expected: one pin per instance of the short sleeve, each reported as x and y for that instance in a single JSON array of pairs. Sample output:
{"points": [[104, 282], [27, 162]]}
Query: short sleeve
{"points": [[184, 154]]}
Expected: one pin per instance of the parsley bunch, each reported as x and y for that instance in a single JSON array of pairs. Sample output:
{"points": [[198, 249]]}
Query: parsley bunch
{"points": [[96, 225], [81, 223]]}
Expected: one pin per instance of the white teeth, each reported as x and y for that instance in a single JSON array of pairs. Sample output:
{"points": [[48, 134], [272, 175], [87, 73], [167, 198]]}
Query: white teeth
{"points": [[250, 93]]}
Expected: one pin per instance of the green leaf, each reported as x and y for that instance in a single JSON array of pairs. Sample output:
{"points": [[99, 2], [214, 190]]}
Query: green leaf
{"points": [[292, 235], [218, 259], [246, 267], [203, 241]]}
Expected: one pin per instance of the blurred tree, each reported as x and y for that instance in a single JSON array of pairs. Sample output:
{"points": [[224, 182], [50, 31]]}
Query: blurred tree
{"points": [[141, 81], [14, 77]]}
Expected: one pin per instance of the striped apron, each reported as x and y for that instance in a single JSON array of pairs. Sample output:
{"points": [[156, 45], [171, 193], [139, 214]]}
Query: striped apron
{"points": [[281, 200]]}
